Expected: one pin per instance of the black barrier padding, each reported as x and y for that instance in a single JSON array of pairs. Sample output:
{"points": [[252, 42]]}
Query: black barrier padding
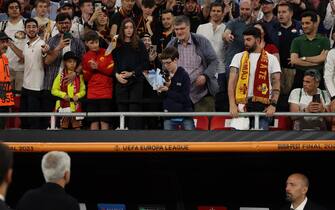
{"points": [[159, 136], [183, 180]]}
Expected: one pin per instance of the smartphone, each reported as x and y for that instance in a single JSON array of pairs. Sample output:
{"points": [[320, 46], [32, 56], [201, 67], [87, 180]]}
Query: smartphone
{"points": [[97, 4], [316, 98], [154, 47], [67, 35], [179, 2]]}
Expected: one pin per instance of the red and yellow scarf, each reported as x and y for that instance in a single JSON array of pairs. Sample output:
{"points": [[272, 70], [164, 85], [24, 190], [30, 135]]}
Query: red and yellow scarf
{"points": [[64, 88], [261, 81]]}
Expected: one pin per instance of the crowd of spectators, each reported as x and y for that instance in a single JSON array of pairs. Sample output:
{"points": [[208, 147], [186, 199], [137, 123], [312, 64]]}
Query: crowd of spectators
{"points": [[95, 56]]}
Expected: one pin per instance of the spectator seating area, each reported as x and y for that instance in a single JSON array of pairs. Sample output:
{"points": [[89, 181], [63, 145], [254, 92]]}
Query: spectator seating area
{"points": [[200, 122]]}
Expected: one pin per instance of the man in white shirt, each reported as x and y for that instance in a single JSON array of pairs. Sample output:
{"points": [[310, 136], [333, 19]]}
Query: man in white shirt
{"points": [[213, 31], [6, 170], [52, 10], [329, 77], [309, 99], [254, 79], [296, 193], [47, 27], [329, 20], [32, 54], [14, 28]]}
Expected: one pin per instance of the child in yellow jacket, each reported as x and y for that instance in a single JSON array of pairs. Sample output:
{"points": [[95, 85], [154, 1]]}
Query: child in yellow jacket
{"points": [[69, 93]]}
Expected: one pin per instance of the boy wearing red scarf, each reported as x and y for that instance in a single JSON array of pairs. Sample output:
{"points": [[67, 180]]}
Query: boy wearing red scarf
{"points": [[98, 67], [69, 93]]}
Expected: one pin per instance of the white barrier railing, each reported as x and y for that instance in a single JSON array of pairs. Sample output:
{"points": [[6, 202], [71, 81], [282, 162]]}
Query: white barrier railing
{"points": [[123, 115]]}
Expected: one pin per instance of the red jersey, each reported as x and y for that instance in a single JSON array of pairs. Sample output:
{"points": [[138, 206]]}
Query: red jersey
{"points": [[100, 83]]}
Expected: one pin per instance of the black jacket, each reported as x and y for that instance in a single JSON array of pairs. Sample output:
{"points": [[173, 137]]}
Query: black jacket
{"points": [[310, 205], [3, 205], [49, 196], [177, 98]]}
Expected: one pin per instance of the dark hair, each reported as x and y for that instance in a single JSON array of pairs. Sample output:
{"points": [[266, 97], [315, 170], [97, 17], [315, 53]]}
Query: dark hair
{"points": [[216, 4], [145, 34], [42, 1], [12, 2], [169, 52], [310, 13], [70, 55], [267, 37], [6, 161], [284, 4], [148, 3], [30, 20], [134, 39], [182, 19], [313, 73], [81, 2], [62, 17], [91, 36], [252, 31], [166, 11]]}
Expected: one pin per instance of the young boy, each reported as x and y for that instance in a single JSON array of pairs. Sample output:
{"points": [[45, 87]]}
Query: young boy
{"points": [[70, 93], [177, 91], [97, 67]]}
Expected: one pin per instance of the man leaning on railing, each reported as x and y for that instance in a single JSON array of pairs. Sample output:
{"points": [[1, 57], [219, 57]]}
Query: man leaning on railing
{"points": [[309, 99]]}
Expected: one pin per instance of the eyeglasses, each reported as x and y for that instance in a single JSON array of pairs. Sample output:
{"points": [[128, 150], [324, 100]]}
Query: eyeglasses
{"points": [[13, 7], [180, 28], [64, 23], [130, 1], [166, 63]]}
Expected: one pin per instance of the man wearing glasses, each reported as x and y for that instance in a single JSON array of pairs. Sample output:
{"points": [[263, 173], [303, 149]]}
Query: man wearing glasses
{"points": [[59, 45]]}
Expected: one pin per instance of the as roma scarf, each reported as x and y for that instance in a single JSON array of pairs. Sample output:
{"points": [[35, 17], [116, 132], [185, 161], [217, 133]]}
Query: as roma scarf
{"points": [[261, 81], [64, 86]]}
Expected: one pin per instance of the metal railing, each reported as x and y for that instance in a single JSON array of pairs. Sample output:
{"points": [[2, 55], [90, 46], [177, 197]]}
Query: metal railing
{"points": [[123, 115]]}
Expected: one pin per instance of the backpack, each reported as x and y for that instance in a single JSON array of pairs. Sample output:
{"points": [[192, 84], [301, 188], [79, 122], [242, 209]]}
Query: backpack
{"points": [[3, 24]]}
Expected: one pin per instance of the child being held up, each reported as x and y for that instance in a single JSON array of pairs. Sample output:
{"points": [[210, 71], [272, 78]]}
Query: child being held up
{"points": [[176, 91], [98, 67], [69, 93]]}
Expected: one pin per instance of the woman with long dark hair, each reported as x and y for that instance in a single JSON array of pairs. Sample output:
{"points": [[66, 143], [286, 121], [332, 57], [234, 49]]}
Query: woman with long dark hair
{"points": [[131, 59]]}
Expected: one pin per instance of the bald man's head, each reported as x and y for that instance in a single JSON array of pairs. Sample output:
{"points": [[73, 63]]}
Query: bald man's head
{"points": [[245, 9], [296, 188]]}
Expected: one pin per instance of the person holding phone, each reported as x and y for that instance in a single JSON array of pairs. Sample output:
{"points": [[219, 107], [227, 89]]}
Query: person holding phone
{"points": [[154, 100], [151, 49], [59, 45], [309, 99]]}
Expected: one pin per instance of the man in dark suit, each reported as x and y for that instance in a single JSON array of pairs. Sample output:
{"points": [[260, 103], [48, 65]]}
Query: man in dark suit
{"points": [[296, 189], [6, 170], [51, 195]]}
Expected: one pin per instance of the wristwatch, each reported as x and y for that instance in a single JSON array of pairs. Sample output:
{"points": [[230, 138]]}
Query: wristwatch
{"points": [[303, 58], [273, 103], [332, 98]]}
